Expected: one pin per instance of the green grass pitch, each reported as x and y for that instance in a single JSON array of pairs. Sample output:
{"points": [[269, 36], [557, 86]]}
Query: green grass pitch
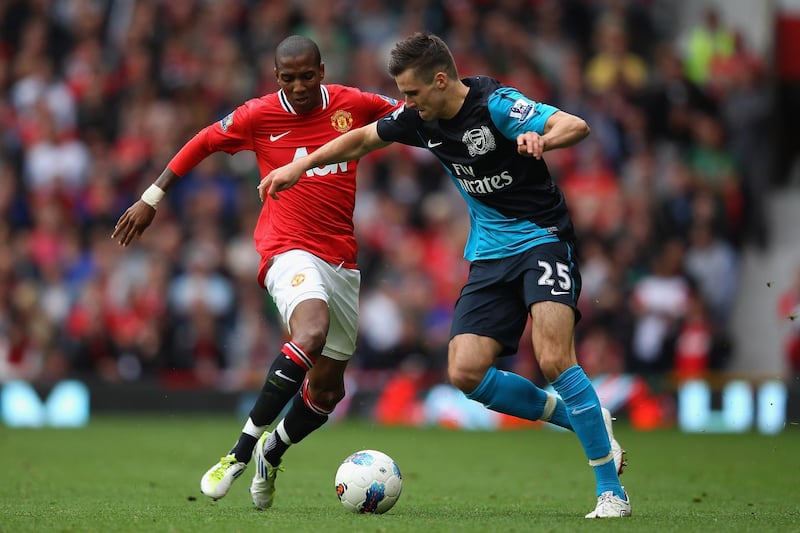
{"points": [[143, 473]]}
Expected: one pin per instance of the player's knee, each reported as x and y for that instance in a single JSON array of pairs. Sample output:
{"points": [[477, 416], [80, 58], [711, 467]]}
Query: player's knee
{"points": [[465, 373], [326, 395], [463, 378], [328, 399], [468, 359], [311, 337], [552, 365]]}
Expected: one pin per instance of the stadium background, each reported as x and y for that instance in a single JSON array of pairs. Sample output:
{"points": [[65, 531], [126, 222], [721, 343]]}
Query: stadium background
{"points": [[685, 196]]}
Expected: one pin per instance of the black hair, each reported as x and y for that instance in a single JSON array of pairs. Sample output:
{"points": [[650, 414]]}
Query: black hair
{"points": [[296, 46]]}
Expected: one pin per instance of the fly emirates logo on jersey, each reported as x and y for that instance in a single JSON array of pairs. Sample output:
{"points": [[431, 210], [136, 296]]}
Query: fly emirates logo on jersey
{"points": [[465, 175], [333, 168]]}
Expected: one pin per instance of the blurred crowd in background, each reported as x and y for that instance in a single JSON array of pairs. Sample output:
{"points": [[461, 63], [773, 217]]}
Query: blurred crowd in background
{"points": [[96, 96]]}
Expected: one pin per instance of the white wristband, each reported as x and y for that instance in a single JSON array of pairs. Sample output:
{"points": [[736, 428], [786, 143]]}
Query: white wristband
{"points": [[153, 195]]}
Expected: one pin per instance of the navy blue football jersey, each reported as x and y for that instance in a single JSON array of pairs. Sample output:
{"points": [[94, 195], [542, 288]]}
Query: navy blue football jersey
{"points": [[513, 202]]}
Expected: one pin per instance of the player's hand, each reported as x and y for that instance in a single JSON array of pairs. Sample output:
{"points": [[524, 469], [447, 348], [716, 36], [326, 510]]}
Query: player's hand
{"points": [[278, 180], [133, 222], [530, 144]]}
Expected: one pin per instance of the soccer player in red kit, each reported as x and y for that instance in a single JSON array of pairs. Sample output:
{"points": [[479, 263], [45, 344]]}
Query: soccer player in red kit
{"points": [[307, 247]]}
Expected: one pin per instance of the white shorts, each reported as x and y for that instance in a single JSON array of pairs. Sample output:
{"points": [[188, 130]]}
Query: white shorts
{"points": [[297, 275]]}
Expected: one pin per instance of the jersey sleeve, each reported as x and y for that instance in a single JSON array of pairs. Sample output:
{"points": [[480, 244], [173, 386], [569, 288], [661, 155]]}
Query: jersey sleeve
{"points": [[513, 113], [400, 126], [379, 105], [230, 134], [233, 133]]}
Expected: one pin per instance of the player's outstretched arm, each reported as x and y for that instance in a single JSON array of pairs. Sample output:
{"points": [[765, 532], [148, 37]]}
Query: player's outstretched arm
{"points": [[140, 215], [352, 145]]}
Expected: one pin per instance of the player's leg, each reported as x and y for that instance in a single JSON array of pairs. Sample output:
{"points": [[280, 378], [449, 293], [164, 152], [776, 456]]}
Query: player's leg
{"points": [[553, 343], [488, 321], [304, 309], [310, 408], [500, 390], [323, 388], [550, 274], [494, 306], [309, 327]]}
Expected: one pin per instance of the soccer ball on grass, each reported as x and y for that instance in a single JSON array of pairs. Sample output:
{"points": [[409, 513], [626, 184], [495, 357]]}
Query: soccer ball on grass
{"points": [[368, 481]]}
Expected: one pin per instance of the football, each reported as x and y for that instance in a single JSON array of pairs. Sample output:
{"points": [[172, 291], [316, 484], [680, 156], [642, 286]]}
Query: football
{"points": [[368, 481]]}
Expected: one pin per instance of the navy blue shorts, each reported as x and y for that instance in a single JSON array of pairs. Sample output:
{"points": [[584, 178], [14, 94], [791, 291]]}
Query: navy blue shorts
{"points": [[496, 300]]}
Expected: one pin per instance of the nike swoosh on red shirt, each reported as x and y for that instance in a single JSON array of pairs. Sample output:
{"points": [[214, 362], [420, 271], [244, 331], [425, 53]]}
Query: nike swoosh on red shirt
{"points": [[274, 138]]}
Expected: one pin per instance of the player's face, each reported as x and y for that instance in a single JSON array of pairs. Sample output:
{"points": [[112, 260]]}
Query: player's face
{"points": [[300, 77], [426, 98]]}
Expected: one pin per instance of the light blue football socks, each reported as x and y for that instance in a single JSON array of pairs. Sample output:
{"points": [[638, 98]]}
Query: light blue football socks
{"points": [[512, 394], [579, 411], [583, 410]]}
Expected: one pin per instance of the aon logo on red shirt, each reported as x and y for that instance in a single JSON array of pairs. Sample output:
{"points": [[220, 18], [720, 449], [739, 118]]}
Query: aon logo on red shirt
{"points": [[333, 168]]}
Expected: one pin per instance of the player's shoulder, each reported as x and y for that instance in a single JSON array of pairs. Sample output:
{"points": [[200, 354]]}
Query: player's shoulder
{"points": [[336, 90], [350, 92], [506, 99], [489, 93], [491, 89], [264, 103], [483, 85], [267, 109]]}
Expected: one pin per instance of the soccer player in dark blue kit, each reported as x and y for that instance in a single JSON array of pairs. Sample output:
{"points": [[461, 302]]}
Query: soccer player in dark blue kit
{"points": [[491, 139]]}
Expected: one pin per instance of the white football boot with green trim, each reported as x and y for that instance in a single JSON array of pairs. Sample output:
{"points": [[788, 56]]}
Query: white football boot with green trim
{"points": [[262, 488], [218, 479]]}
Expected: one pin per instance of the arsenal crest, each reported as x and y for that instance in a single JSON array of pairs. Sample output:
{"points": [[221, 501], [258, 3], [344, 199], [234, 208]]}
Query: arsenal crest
{"points": [[479, 141]]}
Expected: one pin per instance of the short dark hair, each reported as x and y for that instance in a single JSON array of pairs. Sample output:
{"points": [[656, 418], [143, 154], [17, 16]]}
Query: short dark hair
{"points": [[296, 46], [426, 54]]}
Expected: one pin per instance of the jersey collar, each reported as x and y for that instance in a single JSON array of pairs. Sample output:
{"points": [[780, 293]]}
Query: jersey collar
{"points": [[288, 107]]}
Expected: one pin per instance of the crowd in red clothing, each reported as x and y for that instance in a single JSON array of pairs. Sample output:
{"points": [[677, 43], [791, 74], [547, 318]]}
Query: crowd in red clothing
{"points": [[96, 97]]}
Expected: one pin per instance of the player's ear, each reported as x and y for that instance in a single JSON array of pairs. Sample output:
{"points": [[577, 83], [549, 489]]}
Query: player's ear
{"points": [[440, 80], [322, 71]]}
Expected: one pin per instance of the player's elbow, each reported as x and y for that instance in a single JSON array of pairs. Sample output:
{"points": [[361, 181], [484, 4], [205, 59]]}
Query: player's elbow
{"points": [[582, 129]]}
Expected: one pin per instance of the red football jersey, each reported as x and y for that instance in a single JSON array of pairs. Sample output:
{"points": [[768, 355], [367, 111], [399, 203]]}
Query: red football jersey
{"points": [[315, 215]]}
